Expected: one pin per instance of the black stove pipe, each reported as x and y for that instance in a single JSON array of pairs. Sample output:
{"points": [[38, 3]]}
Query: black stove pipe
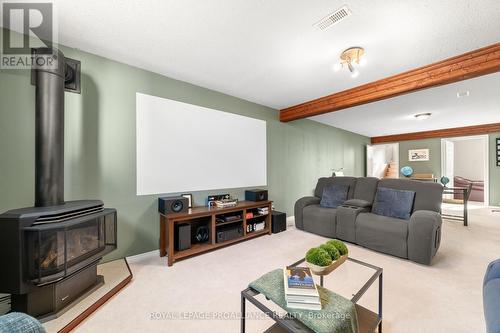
{"points": [[49, 128]]}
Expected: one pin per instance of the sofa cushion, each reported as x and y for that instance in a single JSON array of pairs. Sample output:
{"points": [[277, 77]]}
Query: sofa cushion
{"points": [[365, 188], [319, 220], [334, 195], [381, 233], [393, 203], [322, 182], [428, 195]]}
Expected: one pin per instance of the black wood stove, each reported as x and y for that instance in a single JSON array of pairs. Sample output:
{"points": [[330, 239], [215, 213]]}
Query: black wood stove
{"points": [[49, 253]]}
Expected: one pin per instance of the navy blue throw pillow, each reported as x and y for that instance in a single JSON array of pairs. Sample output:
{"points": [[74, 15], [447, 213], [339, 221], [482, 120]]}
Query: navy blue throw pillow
{"points": [[334, 195], [394, 203]]}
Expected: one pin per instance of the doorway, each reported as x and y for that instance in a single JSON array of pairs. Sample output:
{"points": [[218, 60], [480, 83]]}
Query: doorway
{"points": [[382, 160], [465, 163]]}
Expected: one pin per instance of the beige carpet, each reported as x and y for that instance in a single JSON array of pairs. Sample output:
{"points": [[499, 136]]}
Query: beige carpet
{"points": [[444, 297]]}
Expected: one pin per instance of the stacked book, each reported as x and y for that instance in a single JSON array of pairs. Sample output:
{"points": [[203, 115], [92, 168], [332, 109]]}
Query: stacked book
{"points": [[225, 203], [263, 210], [300, 289]]}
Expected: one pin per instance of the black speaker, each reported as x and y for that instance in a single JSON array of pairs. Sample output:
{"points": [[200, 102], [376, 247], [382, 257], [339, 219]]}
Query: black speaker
{"points": [[278, 221], [256, 195], [182, 237], [172, 205]]}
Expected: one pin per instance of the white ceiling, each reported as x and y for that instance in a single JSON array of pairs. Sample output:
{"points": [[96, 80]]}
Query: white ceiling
{"points": [[267, 51], [396, 115]]}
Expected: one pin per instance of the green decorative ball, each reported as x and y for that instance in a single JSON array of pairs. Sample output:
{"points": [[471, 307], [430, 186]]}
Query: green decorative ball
{"points": [[339, 245], [332, 251], [318, 257]]}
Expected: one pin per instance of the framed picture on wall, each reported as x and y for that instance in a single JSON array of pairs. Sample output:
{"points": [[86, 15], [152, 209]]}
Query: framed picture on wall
{"points": [[417, 155]]}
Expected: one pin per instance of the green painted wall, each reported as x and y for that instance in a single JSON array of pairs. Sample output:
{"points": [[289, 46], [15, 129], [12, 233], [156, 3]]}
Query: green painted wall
{"points": [[100, 145], [434, 165], [431, 166]]}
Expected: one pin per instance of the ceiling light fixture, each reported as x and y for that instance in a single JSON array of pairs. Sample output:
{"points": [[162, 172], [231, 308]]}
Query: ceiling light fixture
{"points": [[461, 94], [423, 116], [350, 58]]}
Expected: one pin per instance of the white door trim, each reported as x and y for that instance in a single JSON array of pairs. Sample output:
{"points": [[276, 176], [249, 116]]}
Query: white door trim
{"points": [[485, 138]]}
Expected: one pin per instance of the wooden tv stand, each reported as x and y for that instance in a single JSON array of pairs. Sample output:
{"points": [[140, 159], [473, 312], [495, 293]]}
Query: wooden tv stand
{"points": [[208, 216]]}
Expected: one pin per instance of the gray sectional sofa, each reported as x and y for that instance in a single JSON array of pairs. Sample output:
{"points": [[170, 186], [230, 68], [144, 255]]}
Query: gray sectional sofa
{"points": [[417, 238]]}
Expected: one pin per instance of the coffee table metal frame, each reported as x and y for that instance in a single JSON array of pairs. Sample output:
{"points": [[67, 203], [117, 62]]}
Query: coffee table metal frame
{"points": [[465, 191], [293, 325]]}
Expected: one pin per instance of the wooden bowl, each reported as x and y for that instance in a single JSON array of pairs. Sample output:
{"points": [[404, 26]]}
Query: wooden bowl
{"points": [[325, 270]]}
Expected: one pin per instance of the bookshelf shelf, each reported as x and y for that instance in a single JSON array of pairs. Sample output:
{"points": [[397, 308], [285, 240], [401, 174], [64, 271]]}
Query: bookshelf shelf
{"points": [[256, 233], [168, 221], [228, 222], [256, 216]]}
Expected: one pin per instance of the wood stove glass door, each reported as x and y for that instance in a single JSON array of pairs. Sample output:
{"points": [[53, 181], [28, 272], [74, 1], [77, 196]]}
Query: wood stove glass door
{"points": [[52, 249]]}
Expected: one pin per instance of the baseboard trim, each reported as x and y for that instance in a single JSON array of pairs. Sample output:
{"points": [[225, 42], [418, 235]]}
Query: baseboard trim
{"points": [[290, 222], [97, 304], [139, 256]]}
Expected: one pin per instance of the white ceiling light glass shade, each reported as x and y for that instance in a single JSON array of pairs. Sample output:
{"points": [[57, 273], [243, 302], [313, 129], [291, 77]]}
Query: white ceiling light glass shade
{"points": [[351, 57], [423, 116], [354, 71], [337, 66]]}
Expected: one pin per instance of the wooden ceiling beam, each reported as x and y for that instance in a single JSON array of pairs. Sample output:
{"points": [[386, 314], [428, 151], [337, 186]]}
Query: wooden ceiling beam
{"points": [[466, 66], [443, 133]]}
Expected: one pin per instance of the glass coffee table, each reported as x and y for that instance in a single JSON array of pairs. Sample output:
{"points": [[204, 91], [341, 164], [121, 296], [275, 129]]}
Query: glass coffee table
{"points": [[351, 280]]}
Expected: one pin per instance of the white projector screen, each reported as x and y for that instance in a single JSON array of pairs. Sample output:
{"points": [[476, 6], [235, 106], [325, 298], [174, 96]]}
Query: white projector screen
{"points": [[183, 147]]}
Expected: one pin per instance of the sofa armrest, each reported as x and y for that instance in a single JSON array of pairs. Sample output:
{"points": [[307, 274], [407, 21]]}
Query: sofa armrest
{"points": [[16, 322], [491, 301], [358, 203], [492, 272], [424, 236], [299, 209]]}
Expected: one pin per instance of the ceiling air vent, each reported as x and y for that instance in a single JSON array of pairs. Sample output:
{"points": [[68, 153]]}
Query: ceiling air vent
{"points": [[333, 18]]}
